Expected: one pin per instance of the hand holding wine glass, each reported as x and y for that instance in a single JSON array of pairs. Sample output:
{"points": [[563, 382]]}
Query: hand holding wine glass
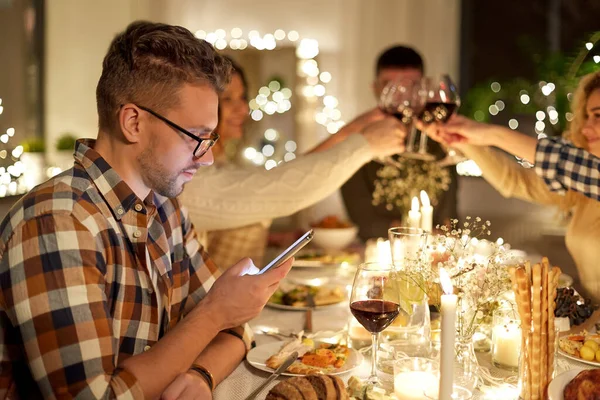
{"points": [[374, 303], [460, 130], [405, 99], [442, 101]]}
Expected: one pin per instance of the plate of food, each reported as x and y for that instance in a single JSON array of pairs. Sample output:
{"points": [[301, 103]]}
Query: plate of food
{"points": [[293, 297], [583, 347], [316, 258], [313, 357], [566, 386]]}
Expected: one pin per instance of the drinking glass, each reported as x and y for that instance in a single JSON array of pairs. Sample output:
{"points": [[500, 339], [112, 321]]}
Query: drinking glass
{"points": [[409, 258], [405, 99], [374, 303], [441, 101]]}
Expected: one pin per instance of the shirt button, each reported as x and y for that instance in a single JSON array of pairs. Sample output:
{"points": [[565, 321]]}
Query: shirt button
{"points": [[120, 211], [137, 234], [146, 348], [150, 290], [138, 207]]}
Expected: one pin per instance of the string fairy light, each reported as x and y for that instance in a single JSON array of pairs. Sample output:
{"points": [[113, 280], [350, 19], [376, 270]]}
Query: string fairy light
{"points": [[549, 114], [12, 176], [269, 99]]}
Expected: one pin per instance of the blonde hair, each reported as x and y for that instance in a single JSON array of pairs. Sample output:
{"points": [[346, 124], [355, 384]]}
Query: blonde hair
{"points": [[587, 85]]}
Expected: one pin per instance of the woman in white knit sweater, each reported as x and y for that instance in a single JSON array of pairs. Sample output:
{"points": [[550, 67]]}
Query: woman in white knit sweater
{"points": [[511, 180], [236, 204]]}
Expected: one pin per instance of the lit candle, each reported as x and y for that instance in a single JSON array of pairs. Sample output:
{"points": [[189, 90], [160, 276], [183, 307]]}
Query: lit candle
{"points": [[384, 252], [415, 385], [414, 216], [448, 332], [506, 342], [426, 212]]}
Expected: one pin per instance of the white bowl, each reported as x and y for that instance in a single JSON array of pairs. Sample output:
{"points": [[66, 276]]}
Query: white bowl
{"points": [[334, 238], [557, 386]]}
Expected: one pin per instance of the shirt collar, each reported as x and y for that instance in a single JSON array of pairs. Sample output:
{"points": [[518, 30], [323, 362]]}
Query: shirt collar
{"points": [[118, 195]]}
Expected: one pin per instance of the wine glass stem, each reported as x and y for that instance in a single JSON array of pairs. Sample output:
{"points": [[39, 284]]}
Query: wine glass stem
{"points": [[375, 344]]}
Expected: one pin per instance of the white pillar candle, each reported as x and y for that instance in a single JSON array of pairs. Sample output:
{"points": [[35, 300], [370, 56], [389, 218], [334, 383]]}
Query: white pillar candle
{"points": [[506, 344], [414, 216], [448, 332], [384, 252], [426, 212], [414, 385]]}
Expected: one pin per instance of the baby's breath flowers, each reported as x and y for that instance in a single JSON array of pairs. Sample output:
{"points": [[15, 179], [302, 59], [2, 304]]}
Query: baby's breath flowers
{"points": [[396, 184], [476, 266]]}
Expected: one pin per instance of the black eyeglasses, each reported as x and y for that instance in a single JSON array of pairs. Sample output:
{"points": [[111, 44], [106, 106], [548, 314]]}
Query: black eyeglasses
{"points": [[203, 144]]}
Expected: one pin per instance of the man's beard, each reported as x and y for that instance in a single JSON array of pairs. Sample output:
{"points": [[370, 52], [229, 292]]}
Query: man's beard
{"points": [[154, 175]]}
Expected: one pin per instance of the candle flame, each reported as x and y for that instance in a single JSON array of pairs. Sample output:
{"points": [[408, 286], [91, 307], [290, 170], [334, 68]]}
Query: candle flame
{"points": [[425, 199], [415, 204], [446, 282]]}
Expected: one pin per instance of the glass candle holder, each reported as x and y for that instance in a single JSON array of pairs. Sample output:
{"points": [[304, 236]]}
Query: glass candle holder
{"points": [[416, 378], [506, 338]]}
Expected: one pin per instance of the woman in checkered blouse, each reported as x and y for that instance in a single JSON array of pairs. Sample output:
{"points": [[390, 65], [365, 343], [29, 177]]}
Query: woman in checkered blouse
{"points": [[566, 172]]}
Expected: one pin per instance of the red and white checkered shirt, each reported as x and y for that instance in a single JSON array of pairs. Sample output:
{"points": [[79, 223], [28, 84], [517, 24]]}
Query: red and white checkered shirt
{"points": [[76, 296]]}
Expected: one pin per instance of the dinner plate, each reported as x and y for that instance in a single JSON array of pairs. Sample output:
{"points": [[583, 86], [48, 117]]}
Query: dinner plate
{"points": [[581, 360], [292, 308], [557, 386], [287, 286], [257, 357], [311, 258]]}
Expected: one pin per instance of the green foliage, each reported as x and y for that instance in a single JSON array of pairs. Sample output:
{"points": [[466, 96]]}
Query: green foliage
{"points": [[34, 145], [563, 70], [66, 141]]}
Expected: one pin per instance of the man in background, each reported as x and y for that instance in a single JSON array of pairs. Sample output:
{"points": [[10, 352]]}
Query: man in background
{"points": [[398, 62]]}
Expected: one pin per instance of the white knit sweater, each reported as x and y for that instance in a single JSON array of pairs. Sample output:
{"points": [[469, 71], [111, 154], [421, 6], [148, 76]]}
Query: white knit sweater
{"points": [[228, 197]]}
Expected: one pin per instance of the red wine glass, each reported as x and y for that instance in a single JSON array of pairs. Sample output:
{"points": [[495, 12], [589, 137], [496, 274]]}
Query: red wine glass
{"points": [[375, 304], [442, 101], [404, 99]]}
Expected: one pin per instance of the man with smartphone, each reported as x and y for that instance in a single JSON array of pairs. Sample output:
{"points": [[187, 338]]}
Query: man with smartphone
{"points": [[105, 291]]}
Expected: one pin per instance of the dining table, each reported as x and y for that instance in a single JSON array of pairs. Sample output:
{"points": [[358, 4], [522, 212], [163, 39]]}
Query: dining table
{"points": [[333, 319]]}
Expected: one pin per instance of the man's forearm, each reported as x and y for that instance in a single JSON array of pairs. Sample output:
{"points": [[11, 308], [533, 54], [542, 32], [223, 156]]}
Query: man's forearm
{"points": [[172, 355], [222, 356], [514, 142]]}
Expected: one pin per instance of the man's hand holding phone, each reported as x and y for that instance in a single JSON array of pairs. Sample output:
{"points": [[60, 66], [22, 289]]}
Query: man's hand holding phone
{"points": [[289, 252], [235, 299]]}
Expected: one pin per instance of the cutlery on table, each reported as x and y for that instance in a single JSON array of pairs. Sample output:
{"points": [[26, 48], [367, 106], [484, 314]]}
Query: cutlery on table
{"points": [[288, 361]]}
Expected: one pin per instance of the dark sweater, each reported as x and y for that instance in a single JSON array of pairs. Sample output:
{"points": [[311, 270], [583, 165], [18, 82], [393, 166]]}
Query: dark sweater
{"points": [[374, 221]]}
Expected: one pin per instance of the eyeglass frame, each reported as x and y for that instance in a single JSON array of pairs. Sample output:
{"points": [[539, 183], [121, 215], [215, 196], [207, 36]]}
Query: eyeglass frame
{"points": [[213, 135]]}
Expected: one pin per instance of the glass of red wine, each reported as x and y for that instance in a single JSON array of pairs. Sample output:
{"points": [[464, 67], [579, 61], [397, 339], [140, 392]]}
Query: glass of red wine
{"points": [[442, 101], [375, 304], [404, 99]]}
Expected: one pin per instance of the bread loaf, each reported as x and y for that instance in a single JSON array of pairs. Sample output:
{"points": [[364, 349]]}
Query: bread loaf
{"points": [[585, 386], [310, 387]]}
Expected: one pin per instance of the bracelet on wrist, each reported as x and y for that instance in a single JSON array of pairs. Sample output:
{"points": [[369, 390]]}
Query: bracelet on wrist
{"points": [[204, 373]]}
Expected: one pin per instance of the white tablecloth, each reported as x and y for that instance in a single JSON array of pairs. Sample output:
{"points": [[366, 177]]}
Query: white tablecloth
{"points": [[333, 318]]}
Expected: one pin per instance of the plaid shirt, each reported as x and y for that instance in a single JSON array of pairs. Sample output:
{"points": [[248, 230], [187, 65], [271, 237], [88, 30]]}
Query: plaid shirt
{"points": [[566, 167], [76, 298]]}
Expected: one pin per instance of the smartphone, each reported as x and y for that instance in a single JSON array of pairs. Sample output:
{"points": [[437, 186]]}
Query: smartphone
{"points": [[289, 252]]}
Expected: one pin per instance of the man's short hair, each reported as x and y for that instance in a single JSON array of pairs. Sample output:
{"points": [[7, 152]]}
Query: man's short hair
{"points": [[148, 64], [399, 57]]}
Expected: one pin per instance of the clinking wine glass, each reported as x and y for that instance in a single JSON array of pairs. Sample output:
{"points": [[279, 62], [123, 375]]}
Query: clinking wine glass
{"points": [[404, 99], [442, 101], [375, 304]]}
